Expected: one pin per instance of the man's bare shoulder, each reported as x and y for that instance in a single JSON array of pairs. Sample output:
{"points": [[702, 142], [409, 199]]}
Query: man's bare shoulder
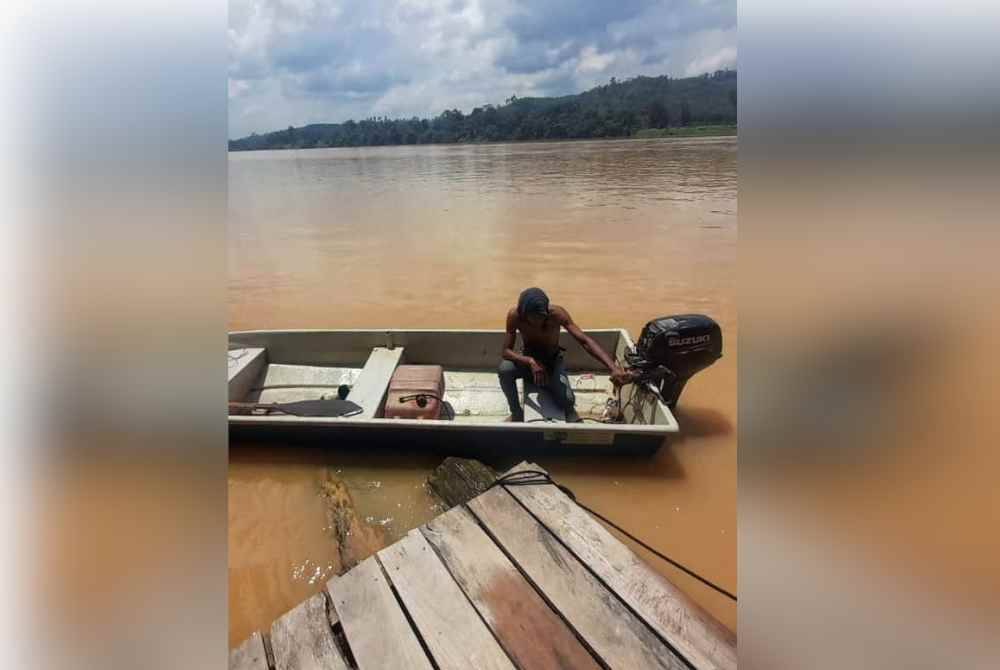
{"points": [[559, 313], [512, 317]]}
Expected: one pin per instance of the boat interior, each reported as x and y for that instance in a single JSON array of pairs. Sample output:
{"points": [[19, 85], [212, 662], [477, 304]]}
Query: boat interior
{"points": [[268, 369]]}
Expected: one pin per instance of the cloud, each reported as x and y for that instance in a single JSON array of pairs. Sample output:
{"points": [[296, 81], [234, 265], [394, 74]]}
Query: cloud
{"points": [[724, 57], [294, 62], [590, 61]]}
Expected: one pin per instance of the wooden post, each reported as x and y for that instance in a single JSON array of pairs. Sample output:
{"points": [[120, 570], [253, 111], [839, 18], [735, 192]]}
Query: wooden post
{"points": [[459, 480]]}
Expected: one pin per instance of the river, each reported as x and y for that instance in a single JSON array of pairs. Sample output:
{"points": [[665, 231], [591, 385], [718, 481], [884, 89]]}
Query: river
{"points": [[618, 232]]}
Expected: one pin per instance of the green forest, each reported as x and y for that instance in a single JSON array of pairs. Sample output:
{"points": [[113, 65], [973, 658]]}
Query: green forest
{"points": [[633, 107]]}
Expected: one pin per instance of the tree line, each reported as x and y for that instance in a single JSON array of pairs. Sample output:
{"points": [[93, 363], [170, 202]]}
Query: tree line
{"points": [[615, 109]]}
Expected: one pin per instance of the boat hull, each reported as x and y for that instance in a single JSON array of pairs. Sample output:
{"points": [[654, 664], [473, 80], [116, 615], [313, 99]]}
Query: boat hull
{"points": [[460, 442]]}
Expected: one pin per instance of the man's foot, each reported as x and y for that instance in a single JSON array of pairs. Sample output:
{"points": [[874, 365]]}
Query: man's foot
{"points": [[516, 417], [572, 416]]}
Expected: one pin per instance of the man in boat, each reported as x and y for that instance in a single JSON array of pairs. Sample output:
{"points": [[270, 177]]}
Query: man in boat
{"points": [[542, 359]]}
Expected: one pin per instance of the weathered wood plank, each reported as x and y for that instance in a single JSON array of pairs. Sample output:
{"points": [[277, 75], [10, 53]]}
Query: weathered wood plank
{"points": [[376, 628], [455, 635], [371, 385], [250, 655], [534, 636], [458, 480], [302, 639], [612, 631], [701, 639]]}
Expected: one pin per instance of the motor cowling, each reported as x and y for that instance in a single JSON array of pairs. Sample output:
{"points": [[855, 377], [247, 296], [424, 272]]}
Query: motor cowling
{"points": [[671, 349]]}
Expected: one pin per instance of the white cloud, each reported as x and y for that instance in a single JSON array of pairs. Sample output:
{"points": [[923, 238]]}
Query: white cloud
{"points": [[592, 61], [721, 59], [237, 87]]}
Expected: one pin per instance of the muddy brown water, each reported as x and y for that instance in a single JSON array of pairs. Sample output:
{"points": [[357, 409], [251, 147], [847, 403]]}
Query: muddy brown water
{"points": [[618, 232]]}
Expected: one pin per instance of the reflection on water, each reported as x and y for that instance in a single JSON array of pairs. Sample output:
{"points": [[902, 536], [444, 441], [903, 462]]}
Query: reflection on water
{"points": [[618, 232]]}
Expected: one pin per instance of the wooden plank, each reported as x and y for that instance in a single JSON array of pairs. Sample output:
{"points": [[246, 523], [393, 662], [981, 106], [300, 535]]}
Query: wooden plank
{"points": [[455, 635], [250, 655], [533, 635], [376, 628], [302, 639], [539, 404], [371, 385], [245, 366], [701, 639], [612, 631]]}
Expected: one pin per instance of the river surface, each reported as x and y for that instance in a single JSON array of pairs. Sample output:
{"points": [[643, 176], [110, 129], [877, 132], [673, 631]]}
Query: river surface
{"points": [[618, 232]]}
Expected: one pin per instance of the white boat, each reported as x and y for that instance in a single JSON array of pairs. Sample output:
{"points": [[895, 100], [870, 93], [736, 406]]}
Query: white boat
{"points": [[277, 377]]}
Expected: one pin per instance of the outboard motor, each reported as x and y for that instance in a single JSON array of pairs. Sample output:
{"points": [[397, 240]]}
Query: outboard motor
{"points": [[671, 349]]}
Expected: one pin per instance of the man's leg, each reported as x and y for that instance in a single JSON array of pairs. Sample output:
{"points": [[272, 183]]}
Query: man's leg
{"points": [[508, 373], [560, 388]]}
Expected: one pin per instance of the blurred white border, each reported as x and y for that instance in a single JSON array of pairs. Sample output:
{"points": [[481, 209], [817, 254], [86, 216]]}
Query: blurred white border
{"points": [[16, 426]]}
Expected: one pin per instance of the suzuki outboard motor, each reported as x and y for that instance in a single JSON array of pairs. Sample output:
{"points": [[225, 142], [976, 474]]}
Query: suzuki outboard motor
{"points": [[672, 349]]}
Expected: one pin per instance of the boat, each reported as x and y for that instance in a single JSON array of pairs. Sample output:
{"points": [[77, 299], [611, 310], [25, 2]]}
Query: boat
{"points": [[334, 385]]}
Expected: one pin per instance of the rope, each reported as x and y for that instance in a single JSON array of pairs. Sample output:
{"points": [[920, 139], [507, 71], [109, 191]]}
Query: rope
{"points": [[538, 477]]}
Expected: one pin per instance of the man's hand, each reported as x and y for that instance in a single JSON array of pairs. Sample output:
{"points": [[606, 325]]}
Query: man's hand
{"points": [[537, 372], [620, 377]]}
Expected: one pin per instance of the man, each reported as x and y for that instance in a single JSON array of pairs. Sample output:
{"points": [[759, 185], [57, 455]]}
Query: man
{"points": [[542, 359]]}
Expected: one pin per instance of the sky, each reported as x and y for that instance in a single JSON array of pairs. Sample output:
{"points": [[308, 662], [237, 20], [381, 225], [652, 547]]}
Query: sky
{"points": [[295, 62]]}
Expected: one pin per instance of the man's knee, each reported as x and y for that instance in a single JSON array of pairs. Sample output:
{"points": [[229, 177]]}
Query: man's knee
{"points": [[506, 369]]}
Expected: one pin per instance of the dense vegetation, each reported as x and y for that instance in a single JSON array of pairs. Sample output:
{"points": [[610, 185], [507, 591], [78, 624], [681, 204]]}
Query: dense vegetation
{"points": [[616, 109]]}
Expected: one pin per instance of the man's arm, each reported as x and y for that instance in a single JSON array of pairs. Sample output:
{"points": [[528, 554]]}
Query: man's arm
{"points": [[618, 376]]}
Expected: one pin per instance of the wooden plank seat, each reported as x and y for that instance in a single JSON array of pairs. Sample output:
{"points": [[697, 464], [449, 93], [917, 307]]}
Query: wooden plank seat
{"points": [[371, 385]]}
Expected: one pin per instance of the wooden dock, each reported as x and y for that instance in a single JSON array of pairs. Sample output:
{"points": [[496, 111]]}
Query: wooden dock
{"points": [[520, 577]]}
